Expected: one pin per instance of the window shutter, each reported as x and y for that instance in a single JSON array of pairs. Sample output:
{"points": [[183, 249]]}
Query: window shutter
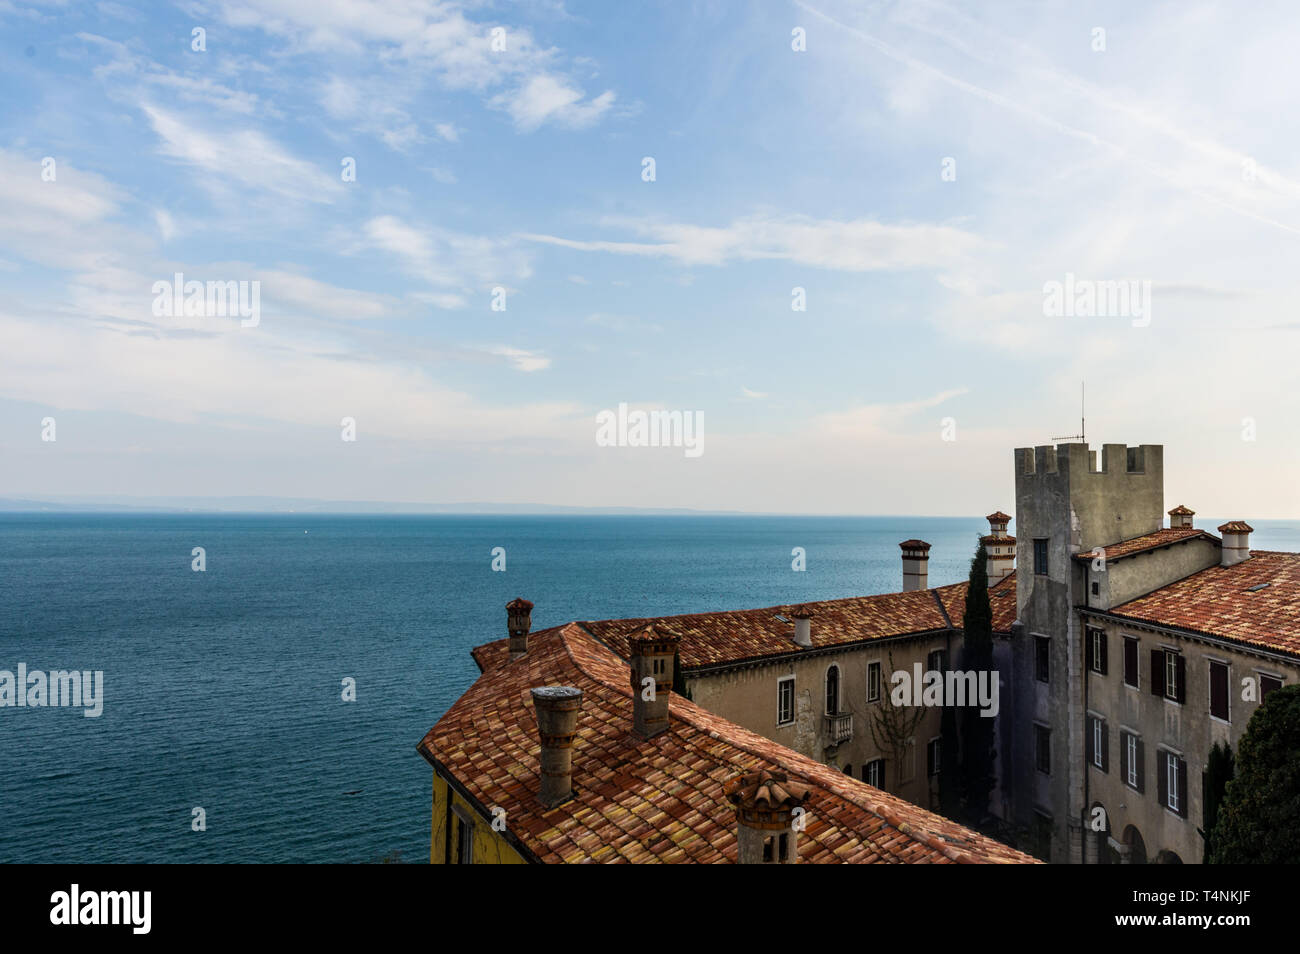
{"points": [[883, 786], [1157, 672], [1218, 690], [1088, 650], [1180, 670], [1141, 767], [1131, 662], [1092, 727], [1103, 653], [1105, 747], [1182, 788], [1162, 778]]}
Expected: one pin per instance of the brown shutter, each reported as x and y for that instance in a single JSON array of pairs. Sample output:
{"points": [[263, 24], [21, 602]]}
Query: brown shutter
{"points": [[1131, 662], [1162, 778], [1157, 672], [1182, 788], [1088, 755], [1180, 670], [1141, 767], [1105, 747], [1218, 690], [1103, 652]]}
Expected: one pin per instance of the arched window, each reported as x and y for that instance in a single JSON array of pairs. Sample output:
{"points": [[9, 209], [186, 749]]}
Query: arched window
{"points": [[833, 690]]}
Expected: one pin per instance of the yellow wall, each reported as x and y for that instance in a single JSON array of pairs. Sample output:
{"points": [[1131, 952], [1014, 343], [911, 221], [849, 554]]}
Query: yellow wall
{"points": [[490, 847]]}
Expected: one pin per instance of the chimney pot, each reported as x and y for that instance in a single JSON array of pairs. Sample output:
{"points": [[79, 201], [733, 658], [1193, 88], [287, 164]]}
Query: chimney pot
{"points": [[999, 548], [916, 559], [803, 615], [557, 724], [651, 662], [519, 620], [1180, 516], [1236, 542], [766, 804]]}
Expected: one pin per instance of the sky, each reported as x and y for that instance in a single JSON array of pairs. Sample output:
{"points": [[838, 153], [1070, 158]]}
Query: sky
{"points": [[917, 174]]}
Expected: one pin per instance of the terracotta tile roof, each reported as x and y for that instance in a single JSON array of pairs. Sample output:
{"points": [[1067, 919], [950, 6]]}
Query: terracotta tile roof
{"points": [[1219, 601], [1006, 540], [914, 544], [1002, 600], [710, 639], [999, 516], [661, 799], [1148, 541], [1181, 511]]}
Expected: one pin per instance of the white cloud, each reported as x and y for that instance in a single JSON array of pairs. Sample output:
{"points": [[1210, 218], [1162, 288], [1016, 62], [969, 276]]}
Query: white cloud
{"points": [[858, 245]]}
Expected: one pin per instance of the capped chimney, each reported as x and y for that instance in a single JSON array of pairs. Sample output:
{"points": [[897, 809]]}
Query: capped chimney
{"points": [[999, 547], [916, 558], [767, 832], [652, 680], [557, 724], [519, 619], [1236, 542], [1180, 516], [803, 615]]}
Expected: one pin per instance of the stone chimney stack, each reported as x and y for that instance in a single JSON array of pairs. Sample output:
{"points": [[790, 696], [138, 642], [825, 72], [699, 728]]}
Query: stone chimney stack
{"points": [[1000, 547], [803, 615], [519, 619], [916, 559], [1236, 542], [557, 724], [1180, 516], [652, 680], [767, 823]]}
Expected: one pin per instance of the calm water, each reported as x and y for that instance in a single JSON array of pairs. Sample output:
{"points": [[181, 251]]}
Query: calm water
{"points": [[222, 688]]}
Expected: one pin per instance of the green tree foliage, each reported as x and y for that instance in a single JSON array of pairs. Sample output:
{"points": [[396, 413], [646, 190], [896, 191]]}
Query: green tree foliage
{"points": [[1220, 768], [1259, 818], [977, 751]]}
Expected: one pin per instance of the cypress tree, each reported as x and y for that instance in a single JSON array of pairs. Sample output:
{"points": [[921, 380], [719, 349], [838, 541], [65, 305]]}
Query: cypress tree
{"points": [[977, 751], [950, 783], [1219, 771], [1259, 818]]}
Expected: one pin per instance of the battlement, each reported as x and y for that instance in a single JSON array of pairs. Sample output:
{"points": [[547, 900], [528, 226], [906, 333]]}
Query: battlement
{"points": [[1078, 460]]}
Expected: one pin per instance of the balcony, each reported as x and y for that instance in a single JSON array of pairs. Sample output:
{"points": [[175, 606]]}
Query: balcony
{"points": [[839, 728]]}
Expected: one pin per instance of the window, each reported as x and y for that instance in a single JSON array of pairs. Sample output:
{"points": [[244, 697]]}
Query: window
{"points": [[848, 770], [1097, 650], [464, 841], [1173, 783], [873, 773], [933, 750], [1132, 761], [785, 701], [1130, 662], [1042, 835], [1267, 684], [1169, 675], [1042, 659], [833, 690], [1219, 690], [935, 661], [1040, 557], [1098, 743], [1096, 588], [1043, 749], [781, 843], [873, 682]]}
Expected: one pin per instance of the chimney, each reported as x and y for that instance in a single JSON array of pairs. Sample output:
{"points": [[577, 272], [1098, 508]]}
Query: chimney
{"points": [[916, 557], [519, 619], [803, 615], [1236, 542], [1180, 516], [557, 723], [766, 829], [652, 680], [1000, 548]]}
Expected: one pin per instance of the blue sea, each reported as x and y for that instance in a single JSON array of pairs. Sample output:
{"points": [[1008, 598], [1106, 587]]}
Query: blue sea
{"points": [[223, 688]]}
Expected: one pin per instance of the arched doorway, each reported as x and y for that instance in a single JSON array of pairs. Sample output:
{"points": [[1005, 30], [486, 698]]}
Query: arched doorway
{"points": [[1168, 857], [1098, 822], [1137, 849]]}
